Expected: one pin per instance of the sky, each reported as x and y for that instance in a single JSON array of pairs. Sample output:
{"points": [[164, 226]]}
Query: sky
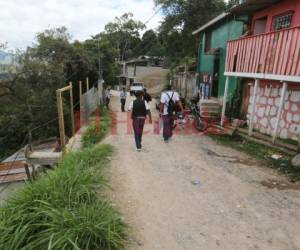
{"points": [[21, 20]]}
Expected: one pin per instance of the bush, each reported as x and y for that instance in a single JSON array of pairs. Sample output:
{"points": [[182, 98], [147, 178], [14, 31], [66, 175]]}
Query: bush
{"points": [[61, 209]]}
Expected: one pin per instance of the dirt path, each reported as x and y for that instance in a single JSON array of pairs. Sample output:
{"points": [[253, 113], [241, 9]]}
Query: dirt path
{"points": [[194, 194]]}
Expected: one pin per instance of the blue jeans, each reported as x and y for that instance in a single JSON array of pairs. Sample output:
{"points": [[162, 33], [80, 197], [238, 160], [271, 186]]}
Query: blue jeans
{"points": [[168, 121], [138, 127]]}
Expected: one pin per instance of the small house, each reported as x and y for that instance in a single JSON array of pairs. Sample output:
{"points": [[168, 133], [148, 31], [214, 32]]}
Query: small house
{"points": [[213, 37], [267, 63]]}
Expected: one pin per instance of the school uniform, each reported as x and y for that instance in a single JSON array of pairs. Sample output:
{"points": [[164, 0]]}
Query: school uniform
{"points": [[139, 109]]}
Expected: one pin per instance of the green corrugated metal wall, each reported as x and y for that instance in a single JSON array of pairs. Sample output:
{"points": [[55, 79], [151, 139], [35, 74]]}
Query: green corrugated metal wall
{"points": [[225, 30]]}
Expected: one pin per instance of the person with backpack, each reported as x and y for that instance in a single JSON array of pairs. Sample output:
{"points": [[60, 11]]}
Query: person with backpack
{"points": [[139, 110], [169, 102]]}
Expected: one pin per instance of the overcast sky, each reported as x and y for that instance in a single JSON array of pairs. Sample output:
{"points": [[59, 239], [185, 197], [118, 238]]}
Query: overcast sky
{"points": [[20, 20]]}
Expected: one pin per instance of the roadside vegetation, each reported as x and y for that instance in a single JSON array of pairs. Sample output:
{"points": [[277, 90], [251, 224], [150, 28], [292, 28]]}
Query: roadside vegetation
{"points": [[97, 129], [262, 153], [66, 208]]}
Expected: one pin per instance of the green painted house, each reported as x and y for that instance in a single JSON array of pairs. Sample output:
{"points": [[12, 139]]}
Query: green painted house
{"points": [[212, 53]]}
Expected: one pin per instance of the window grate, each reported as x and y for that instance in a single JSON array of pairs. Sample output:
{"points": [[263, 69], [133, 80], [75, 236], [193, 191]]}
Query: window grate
{"points": [[282, 21]]}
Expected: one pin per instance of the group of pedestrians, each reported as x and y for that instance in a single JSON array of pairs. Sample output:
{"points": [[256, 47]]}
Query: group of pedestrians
{"points": [[169, 104]]}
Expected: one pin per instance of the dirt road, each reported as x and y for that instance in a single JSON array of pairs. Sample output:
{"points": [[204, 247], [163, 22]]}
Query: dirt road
{"points": [[195, 194]]}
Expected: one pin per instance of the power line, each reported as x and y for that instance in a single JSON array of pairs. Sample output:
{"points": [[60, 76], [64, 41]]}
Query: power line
{"points": [[155, 13]]}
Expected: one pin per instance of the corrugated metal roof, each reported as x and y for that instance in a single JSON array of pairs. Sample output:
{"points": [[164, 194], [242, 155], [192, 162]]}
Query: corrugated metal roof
{"points": [[250, 6], [210, 23]]}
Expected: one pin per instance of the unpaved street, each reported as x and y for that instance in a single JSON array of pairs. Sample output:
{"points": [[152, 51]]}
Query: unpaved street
{"points": [[195, 194]]}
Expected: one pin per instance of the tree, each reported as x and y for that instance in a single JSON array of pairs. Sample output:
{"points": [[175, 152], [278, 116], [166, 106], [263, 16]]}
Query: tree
{"points": [[124, 34], [28, 99], [182, 17]]}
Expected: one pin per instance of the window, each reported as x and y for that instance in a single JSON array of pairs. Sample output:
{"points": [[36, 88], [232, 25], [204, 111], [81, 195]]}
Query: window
{"points": [[282, 21], [207, 42], [260, 25]]}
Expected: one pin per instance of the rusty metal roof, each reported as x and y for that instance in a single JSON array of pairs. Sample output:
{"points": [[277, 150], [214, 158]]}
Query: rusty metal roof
{"points": [[250, 6]]}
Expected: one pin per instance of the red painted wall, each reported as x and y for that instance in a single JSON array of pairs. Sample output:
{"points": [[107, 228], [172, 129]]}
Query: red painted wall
{"points": [[277, 9]]}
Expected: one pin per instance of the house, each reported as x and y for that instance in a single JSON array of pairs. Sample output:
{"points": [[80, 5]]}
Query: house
{"points": [[148, 70], [214, 36], [268, 65]]}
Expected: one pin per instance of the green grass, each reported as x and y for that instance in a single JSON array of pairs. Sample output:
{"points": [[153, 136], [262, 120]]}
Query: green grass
{"points": [[97, 129], [262, 153], [62, 210]]}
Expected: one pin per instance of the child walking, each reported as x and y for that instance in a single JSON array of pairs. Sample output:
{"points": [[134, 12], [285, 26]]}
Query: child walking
{"points": [[139, 110]]}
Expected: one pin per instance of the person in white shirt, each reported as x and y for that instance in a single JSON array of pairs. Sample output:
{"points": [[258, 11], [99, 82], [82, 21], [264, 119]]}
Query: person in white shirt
{"points": [[123, 95], [107, 97], [139, 110], [169, 102]]}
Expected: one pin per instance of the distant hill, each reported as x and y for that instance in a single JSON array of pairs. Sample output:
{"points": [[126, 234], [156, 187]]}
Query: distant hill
{"points": [[6, 58]]}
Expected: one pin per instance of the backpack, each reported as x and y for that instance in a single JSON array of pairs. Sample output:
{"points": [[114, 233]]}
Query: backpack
{"points": [[147, 97], [171, 104], [138, 109]]}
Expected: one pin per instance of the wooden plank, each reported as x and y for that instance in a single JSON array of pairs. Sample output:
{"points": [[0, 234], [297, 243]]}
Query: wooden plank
{"points": [[238, 63], [282, 52], [286, 54], [226, 60], [278, 50], [298, 68], [11, 165], [243, 56], [269, 53], [296, 56], [72, 109], [87, 84], [13, 178], [292, 52], [257, 53], [253, 53], [229, 57], [12, 171], [64, 89], [247, 52], [264, 53], [61, 120], [256, 66]]}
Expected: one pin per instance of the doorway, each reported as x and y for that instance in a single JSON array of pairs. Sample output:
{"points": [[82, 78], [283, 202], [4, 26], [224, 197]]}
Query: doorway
{"points": [[215, 83]]}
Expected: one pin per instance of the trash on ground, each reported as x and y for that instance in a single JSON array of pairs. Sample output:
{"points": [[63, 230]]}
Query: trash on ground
{"points": [[276, 156]]}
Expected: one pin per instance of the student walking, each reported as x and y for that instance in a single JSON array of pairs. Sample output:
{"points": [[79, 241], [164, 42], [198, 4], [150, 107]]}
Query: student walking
{"points": [[139, 110], [123, 95], [169, 102], [107, 97]]}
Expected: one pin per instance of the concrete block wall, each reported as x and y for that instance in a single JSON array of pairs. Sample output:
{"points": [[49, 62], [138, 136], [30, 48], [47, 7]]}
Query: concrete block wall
{"points": [[267, 106]]}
